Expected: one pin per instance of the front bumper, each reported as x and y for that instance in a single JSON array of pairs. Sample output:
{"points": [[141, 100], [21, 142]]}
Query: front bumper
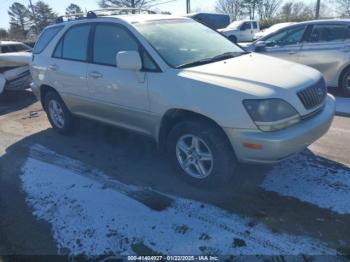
{"points": [[21, 82], [276, 146]]}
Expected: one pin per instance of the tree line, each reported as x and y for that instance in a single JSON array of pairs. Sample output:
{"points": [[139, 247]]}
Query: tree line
{"points": [[26, 22], [270, 12]]}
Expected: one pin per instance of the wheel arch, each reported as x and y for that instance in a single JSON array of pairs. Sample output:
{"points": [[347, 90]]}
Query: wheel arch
{"points": [[342, 72], [44, 89], [174, 116]]}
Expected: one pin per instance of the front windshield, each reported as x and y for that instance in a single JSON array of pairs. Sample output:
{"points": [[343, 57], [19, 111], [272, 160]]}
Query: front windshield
{"points": [[180, 42]]}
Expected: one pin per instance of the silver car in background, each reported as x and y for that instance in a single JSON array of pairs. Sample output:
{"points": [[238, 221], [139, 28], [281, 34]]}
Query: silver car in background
{"points": [[322, 44]]}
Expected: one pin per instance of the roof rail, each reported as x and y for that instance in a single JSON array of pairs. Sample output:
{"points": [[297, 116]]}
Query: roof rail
{"points": [[103, 12]]}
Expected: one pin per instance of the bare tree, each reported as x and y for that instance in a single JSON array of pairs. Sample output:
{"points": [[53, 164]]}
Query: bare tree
{"points": [[293, 11], [125, 3], [234, 8], [251, 7], [19, 19], [73, 9], [343, 7], [267, 9]]}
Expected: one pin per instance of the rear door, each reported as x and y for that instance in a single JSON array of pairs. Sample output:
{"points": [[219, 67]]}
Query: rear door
{"points": [[68, 67], [286, 43], [325, 49]]}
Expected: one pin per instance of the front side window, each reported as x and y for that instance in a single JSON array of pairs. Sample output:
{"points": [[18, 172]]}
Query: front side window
{"points": [[108, 41], [290, 36], [181, 42], [74, 44], [327, 33], [45, 38], [246, 26], [255, 25]]}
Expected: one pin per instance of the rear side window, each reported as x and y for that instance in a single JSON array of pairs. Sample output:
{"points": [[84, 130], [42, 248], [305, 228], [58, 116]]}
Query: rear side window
{"points": [[255, 25], [74, 44], [328, 33], [109, 40], [45, 39], [8, 49]]}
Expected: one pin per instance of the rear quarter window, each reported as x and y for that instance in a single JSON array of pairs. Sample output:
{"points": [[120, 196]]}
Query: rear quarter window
{"points": [[45, 38]]}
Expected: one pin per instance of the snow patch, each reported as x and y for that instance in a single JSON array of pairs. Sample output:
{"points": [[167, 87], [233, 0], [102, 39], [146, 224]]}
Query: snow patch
{"points": [[314, 180], [93, 215]]}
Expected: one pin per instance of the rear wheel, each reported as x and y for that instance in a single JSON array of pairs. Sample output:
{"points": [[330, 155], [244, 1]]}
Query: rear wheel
{"points": [[201, 153], [58, 114], [345, 82]]}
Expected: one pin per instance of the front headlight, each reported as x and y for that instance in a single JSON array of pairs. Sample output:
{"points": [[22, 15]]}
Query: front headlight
{"points": [[271, 114]]}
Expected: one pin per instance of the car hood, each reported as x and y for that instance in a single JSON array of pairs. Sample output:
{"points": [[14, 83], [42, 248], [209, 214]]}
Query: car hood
{"points": [[255, 74], [228, 30]]}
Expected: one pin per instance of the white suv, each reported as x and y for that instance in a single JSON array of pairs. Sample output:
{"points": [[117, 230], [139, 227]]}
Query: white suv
{"points": [[204, 100]]}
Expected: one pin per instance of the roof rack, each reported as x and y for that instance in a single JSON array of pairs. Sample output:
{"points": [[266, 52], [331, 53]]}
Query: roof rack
{"points": [[103, 12]]}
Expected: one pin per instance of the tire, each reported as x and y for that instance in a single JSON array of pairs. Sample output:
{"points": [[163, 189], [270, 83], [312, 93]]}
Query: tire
{"points": [[219, 171], [345, 82], [233, 39], [58, 114]]}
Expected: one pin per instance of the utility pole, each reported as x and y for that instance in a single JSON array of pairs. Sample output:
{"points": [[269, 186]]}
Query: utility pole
{"points": [[188, 6], [34, 17], [318, 7]]}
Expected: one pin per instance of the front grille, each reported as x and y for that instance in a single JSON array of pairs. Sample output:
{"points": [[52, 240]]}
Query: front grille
{"points": [[314, 95]]}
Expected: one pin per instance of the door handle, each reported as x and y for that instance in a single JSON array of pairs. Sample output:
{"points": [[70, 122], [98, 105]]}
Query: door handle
{"points": [[95, 74], [53, 67], [292, 52]]}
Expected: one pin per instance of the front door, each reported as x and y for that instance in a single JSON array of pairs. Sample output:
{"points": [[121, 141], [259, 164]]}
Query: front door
{"points": [[246, 32], [121, 96], [285, 44]]}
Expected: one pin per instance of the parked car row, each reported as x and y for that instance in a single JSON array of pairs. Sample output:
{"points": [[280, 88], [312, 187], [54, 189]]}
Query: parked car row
{"points": [[205, 101]]}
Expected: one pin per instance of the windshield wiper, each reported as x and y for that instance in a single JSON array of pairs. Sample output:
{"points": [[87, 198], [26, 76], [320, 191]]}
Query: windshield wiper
{"points": [[217, 58]]}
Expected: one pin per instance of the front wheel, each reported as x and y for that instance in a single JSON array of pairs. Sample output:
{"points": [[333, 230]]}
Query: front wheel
{"points": [[345, 82], [202, 153]]}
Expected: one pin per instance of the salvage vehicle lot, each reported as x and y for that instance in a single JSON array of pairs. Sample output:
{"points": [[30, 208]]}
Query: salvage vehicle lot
{"points": [[105, 191]]}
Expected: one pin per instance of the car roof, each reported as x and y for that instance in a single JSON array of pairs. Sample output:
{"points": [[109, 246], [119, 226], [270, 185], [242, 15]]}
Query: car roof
{"points": [[130, 19], [321, 21]]}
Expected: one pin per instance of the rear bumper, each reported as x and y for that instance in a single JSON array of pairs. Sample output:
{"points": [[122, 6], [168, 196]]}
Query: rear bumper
{"points": [[276, 146]]}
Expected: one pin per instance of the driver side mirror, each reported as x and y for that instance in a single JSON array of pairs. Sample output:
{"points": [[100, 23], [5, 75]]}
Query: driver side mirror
{"points": [[129, 60], [260, 46]]}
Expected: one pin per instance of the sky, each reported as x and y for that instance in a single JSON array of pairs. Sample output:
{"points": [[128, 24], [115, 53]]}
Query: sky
{"points": [[178, 7]]}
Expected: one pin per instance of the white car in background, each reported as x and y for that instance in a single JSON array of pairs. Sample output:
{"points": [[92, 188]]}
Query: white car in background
{"points": [[241, 31], [272, 29], [15, 58], [321, 44]]}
